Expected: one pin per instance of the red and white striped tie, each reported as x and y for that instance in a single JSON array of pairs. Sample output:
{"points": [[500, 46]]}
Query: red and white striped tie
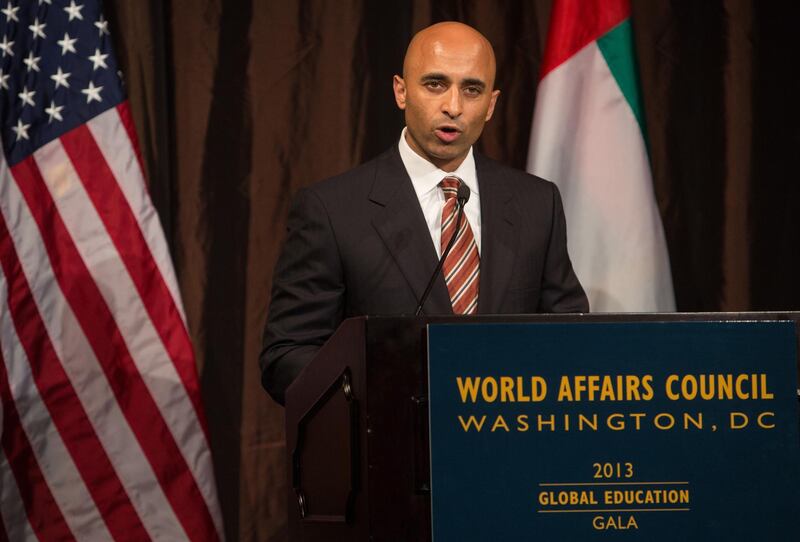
{"points": [[462, 266]]}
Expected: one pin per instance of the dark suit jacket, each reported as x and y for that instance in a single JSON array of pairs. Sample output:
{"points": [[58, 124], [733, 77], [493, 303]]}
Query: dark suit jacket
{"points": [[358, 244]]}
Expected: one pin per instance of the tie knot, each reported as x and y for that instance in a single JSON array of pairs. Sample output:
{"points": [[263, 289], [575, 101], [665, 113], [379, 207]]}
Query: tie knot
{"points": [[450, 186]]}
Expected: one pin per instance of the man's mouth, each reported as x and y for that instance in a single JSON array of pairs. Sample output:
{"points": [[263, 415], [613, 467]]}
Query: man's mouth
{"points": [[447, 134]]}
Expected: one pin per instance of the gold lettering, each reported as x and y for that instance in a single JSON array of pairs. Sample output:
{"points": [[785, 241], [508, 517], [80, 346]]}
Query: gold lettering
{"points": [[468, 388], [632, 385], [762, 424], [607, 393], [725, 388], [637, 419], [647, 384], [593, 386], [697, 422], [583, 420], [541, 421], [765, 393], [538, 388], [506, 389], [521, 397], [743, 420], [500, 422], [472, 421], [670, 424], [672, 379], [489, 390], [579, 386], [740, 381], [564, 390], [689, 387], [616, 422]]}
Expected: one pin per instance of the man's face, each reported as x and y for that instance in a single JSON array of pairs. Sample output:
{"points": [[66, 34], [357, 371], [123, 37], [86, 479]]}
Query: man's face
{"points": [[447, 95]]}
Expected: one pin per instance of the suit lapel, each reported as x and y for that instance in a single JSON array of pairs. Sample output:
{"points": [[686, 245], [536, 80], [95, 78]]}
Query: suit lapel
{"points": [[498, 236], [401, 225]]}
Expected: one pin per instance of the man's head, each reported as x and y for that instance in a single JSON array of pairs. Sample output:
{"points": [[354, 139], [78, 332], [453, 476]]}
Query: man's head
{"points": [[447, 91]]}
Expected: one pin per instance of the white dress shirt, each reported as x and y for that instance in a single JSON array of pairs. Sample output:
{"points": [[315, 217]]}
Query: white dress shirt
{"points": [[426, 178]]}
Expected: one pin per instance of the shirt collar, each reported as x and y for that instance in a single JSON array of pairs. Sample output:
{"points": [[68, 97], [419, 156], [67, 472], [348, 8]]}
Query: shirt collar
{"points": [[426, 177]]}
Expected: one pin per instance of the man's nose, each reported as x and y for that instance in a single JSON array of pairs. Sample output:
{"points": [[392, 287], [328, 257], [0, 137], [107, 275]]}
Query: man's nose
{"points": [[452, 105]]}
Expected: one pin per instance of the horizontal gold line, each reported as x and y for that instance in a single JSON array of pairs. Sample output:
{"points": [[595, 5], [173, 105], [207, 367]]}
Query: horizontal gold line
{"points": [[595, 511], [613, 484]]}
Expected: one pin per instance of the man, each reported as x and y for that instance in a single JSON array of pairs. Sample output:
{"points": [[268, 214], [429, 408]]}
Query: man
{"points": [[368, 241]]}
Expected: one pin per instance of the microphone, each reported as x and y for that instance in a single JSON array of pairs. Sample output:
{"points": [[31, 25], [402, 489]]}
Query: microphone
{"points": [[462, 197]]}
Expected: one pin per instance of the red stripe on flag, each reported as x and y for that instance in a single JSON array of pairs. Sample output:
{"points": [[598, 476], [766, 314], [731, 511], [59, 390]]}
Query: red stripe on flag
{"points": [[104, 336], [127, 122], [576, 23], [124, 230], [66, 411]]}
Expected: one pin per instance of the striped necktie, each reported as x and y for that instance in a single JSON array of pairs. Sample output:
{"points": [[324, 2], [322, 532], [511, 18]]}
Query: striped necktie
{"points": [[462, 266]]}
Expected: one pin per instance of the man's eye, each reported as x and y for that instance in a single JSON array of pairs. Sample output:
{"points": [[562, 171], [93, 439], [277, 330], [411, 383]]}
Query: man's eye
{"points": [[434, 85], [472, 91]]}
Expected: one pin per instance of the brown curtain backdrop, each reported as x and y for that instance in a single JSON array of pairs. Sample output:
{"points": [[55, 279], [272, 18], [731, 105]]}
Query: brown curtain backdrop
{"points": [[240, 103]]}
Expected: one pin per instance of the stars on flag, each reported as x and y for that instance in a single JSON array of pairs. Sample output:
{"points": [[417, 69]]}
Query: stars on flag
{"points": [[67, 44], [102, 26], [32, 62], [10, 12], [98, 60], [74, 11], [21, 130], [27, 97], [54, 112], [37, 29], [60, 77], [56, 69], [6, 46], [92, 93]]}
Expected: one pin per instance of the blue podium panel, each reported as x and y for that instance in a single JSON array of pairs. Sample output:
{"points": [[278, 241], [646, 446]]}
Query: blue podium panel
{"points": [[614, 431]]}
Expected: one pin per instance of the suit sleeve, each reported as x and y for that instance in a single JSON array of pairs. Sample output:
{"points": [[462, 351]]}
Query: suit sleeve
{"points": [[307, 301], [561, 291]]}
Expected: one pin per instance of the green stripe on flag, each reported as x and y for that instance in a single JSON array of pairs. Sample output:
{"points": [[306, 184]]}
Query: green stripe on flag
{"points": [[617, 48]]}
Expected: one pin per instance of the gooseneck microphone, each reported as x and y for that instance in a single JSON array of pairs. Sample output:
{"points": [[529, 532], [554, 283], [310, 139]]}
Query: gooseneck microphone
{"points": [[462, 197]]}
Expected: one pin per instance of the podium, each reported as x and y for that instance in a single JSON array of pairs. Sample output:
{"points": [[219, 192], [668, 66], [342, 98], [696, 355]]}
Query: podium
{"points": [[357, 418]]}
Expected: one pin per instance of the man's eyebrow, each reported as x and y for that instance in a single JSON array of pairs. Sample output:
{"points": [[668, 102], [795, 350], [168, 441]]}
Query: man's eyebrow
{"points": [[434, 76], [468, 82], [473, 82]]}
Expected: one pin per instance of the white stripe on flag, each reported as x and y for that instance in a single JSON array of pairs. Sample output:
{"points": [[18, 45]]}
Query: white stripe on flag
{"points": [[112, 139], [143, 342], [55, 462]]}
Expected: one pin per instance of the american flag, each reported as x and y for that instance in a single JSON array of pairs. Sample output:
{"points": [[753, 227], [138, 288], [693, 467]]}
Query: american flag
{"points": [[103, 436]]}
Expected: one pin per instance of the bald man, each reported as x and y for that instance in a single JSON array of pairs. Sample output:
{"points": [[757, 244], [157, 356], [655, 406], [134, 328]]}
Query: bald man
{"points": [[369, 240]]}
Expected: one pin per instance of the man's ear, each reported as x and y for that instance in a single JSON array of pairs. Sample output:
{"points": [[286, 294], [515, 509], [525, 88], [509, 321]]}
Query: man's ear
{"points": [[399, 91], [492, 102]]}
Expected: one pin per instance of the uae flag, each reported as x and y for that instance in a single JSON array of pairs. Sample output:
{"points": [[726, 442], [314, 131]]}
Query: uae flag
{"points": [[589, 138]]}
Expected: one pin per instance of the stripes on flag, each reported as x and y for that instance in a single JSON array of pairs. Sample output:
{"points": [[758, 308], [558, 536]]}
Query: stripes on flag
{"points": [[59, 399], [29, 484], [103, 435]]}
